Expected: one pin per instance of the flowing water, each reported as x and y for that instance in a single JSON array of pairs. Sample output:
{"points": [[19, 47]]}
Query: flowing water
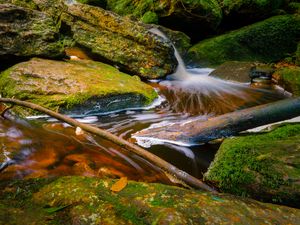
{"points": [[49, 148]]}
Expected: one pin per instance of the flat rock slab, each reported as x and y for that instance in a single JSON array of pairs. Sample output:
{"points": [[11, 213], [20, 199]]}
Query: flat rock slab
{"points": [[81, 87], [83, 200]]}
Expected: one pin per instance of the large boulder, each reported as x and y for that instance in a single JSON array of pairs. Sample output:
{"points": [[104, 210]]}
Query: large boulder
{"points": [[182, 15], [25, 32], [82, 200], [264, 166], [120, 41], [76, 86], [239, 12], [266, 41]]}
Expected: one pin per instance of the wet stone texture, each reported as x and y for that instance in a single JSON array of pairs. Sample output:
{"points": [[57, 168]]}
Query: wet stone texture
{"points": [[75, 86], [82, 200]]}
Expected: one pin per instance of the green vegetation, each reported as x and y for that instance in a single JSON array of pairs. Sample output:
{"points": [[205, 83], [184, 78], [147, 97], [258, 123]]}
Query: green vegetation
{"points": [[90, 201], [289, 79], [66, 85], [266, 41], [264, 166]]}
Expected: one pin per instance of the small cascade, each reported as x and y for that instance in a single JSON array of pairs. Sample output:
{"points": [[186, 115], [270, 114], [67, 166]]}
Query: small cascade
{"points": [[193, 91]]}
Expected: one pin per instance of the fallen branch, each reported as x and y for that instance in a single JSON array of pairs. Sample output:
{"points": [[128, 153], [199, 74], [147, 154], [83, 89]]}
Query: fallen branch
{"points": [[199, 131], [169, 168]]}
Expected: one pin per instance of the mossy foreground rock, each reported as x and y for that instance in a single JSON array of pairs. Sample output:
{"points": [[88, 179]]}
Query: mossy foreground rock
{"points": [[262, 166], [75, 86], [108, 36], [25, 32], [82, 200], [266, 41], [289, 79]]}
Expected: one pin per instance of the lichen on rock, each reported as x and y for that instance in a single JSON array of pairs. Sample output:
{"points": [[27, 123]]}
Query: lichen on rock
{"points": [[89, 201], [76, 86]]}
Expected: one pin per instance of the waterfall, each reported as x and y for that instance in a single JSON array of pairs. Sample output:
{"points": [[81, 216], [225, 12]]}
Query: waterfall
{"points": [[194, 91]]}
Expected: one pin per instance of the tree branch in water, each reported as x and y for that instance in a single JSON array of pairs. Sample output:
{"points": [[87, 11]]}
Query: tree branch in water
{"points": [[165, 166]]}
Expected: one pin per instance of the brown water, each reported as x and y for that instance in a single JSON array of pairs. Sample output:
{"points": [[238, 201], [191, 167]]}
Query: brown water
{"points": [[48, 148]]}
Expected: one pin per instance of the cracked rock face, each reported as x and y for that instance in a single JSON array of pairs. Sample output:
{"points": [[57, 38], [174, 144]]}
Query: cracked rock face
{"points": [[45, 27]]}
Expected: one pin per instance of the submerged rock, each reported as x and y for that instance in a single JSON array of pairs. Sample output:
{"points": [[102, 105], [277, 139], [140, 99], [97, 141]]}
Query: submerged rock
{"points": [[25, 33], [109, 37], [289, 79], [266, 41], [82, 200], [76, 86], [264, 166]]}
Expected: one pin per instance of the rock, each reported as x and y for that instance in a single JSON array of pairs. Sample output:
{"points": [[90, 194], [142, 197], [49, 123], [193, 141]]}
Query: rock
{"points": [[119, 41], [264, 166], [182, 15], [289, 79], [234, 71], [83, 200], [266, 41], [81, 87], [262, 71], [26, 33], [239, 12]]}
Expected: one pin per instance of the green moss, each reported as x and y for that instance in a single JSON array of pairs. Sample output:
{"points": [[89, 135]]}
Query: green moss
{"points": [[71, 85], [150, 17], [289, 79], [90, 201], [263, 166], [266, 41], [297, 54]]}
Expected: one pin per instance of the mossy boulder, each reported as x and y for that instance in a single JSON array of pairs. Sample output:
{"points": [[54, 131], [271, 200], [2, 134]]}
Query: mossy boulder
{"points": [[82, 200], [289, 79], [26, 33], [182, 15], [297, 54], [109, 37], [266, 41], [247, 11], [264, 166], [75, 86]]}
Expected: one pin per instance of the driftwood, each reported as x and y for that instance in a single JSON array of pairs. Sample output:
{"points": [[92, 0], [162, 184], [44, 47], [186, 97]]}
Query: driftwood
{"points": [[226, 125], [182, 176]]}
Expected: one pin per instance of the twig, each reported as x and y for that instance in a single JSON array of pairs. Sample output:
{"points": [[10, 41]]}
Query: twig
{"points": [[169, 168]]}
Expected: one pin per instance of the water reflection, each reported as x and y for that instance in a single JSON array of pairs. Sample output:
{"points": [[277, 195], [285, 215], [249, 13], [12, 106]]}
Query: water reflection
{"points": [[55, 150]]}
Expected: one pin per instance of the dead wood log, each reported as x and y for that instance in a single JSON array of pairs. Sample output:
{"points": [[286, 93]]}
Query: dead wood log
{"points": [[199, 131], [178, 174]]}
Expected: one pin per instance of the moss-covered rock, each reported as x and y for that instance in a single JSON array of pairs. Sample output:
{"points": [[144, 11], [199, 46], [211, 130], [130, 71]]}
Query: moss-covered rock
{"points": [[83, 200], [109, 37], [73, 86], [182, 15], [297, 54], [265, 41], [251, 10], [25, 33], [289, 79], [263, 166]]}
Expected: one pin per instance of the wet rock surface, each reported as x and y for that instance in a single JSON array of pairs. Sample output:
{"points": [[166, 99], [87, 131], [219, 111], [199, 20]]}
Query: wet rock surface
{"points": [[74, 85], [85, 200]]}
